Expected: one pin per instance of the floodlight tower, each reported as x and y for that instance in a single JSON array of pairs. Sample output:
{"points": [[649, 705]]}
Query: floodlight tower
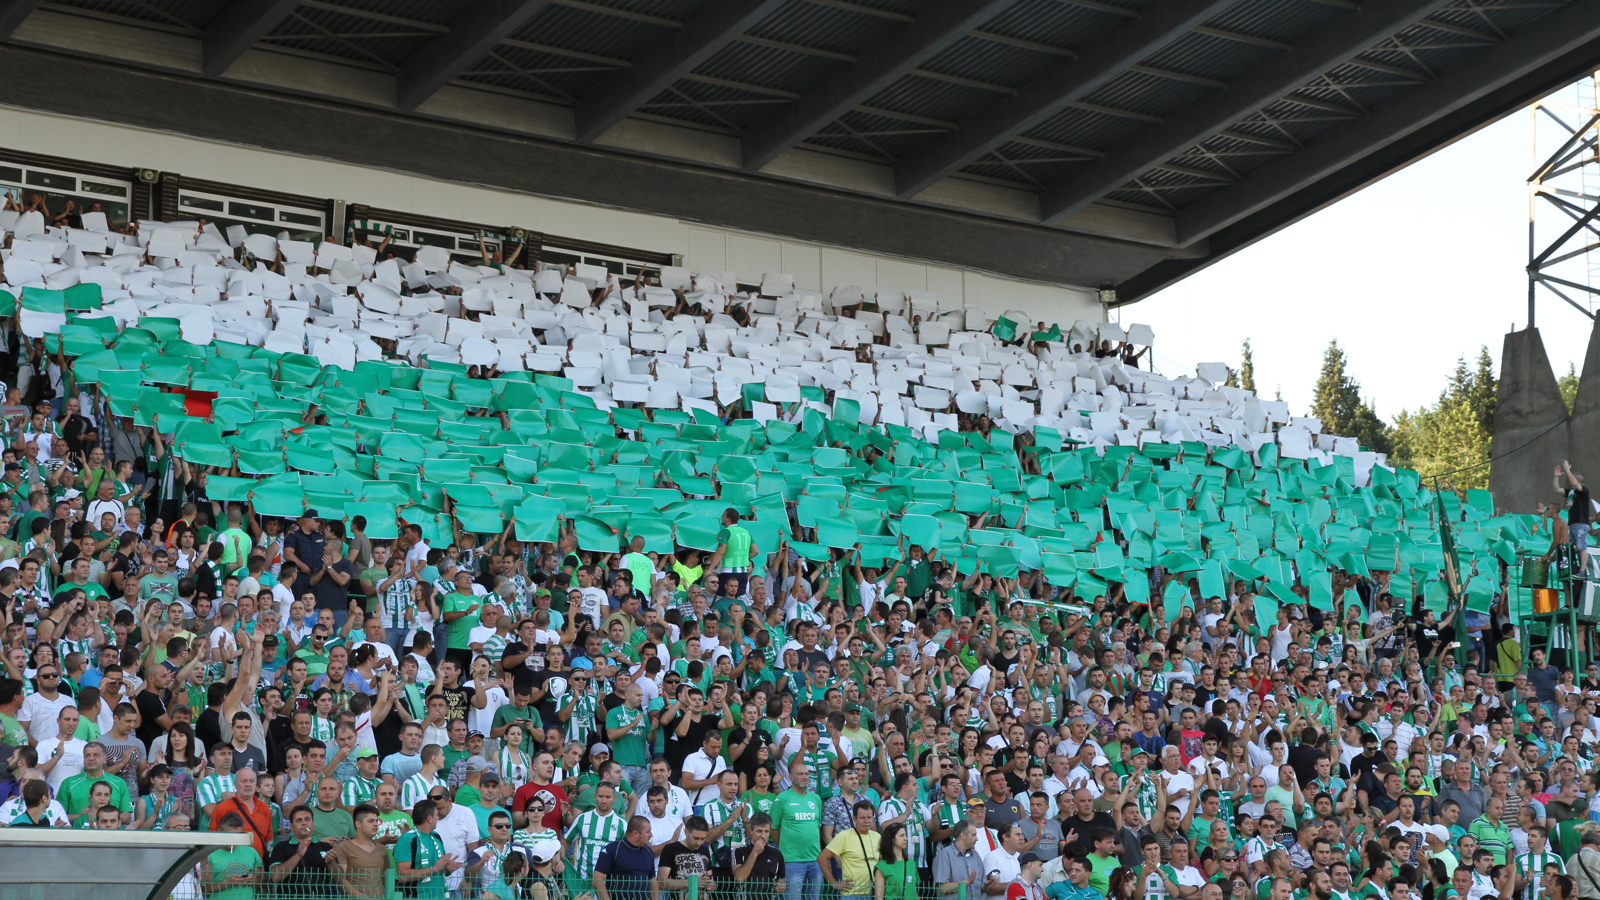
{"points": [[1564, 197]]}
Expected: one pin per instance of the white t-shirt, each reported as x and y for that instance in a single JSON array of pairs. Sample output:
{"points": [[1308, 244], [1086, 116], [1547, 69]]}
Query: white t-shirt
{"points": [[385, 655], [222, 637], [457, 830], [40, 713], [1179, 781], [593, 604], [662, 829], [480, 720], [14, 807], [418, 554], [70, 763]]}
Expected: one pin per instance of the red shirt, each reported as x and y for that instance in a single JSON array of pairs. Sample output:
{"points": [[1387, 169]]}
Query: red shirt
{"points": [[558, 806], [1021, 890]]}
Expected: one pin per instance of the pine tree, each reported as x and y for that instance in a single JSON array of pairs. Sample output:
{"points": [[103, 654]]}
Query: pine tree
{"points": [[1568, 384], [1247, 368], [1338, 404], [1453, 435]]}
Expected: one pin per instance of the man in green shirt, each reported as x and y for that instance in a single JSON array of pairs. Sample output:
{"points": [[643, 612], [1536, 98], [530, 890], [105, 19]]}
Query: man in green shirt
{"points": [[11, 731], [1492, 834], [74, 792], [736, 551], [459, 610], [636, 562], [419, 854], [797, 830], [92, 590], [628, 728], [333, 820], [235, 542], [159, 583]]}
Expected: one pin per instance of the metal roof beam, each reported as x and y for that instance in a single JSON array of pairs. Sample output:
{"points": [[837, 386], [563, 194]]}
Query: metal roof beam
{"points": [[666, 61], [941, 26], [473, 32], [237, 29], [1064, 85], [1326, 47], [1539, 43], [13, 13]]}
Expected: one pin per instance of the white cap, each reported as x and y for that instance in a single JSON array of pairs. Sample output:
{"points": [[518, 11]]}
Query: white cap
{"points": [[1100, 761]]}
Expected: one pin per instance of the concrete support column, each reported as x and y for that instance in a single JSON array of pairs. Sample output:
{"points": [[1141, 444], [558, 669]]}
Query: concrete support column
{"points": [[1530, 419]]}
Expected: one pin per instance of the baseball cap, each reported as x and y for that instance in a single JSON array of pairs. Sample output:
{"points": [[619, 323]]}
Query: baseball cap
{"points": [[1100, 761], [975, 803], [73, 493], [1029, 857], [478, 764], [366, 753], [599, 748], [309, 514]]}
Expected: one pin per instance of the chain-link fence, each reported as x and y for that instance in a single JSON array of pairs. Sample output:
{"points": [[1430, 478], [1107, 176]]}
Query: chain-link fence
{"points": [[237, 882]]}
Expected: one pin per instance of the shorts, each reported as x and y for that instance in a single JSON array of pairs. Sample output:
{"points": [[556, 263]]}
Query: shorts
{"points": [[1579, 536]]}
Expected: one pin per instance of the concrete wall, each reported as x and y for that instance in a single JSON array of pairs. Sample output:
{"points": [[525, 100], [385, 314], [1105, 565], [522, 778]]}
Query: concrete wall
{"points": [[1531, 423], [815, 266]]}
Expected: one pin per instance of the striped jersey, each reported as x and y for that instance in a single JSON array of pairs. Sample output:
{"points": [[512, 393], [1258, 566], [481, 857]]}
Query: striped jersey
{"points": [[916, 827], [581, 723], [208, 792], [416, 789], [396, 602], [359, 790], [716, 812], [1532, 865], [590, 833]]}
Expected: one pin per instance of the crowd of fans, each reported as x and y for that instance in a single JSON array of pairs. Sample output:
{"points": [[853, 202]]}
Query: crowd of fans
{"points": [[475, 715]]}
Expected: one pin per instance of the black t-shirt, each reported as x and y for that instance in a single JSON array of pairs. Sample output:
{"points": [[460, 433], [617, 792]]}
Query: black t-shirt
{"points": [[277, 762], [250, 756], [556, 684], [612, 701], [679, 748], [768, 867], [683, 862], [746, 763], [330, 593], [207, 727], [310, 875], [1578, 513], [1014, 784], [459, 700], [810, 658], [151, 709]]}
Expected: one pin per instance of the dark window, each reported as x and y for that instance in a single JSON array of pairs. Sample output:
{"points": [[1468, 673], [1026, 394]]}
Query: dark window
{"points": [[109, 190], [251, 211], [300, 218], [204, 203], [52, 180], [8, 173]]}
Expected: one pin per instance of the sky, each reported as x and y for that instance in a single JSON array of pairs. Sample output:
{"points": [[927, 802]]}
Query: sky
{"points": [[1407, 275]]}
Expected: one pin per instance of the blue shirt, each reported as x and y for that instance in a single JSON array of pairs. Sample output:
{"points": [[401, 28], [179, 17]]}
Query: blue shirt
{"points": [[1064, 890], [401, 766], [628, 870]]}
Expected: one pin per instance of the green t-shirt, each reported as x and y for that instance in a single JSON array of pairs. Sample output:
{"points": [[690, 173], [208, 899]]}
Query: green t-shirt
{"points": [[334, 824], [235, 861], [74, 792], [507, 714], [460, 631], [421, 851], [630, 749], [737, 539], [91, 589], [12, 732], [798, 819], [158, 587]]}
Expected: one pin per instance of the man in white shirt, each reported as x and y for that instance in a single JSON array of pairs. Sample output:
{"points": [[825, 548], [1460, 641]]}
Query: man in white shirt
{"points": [[1003, 865], [61, 757], [372, 630], [701, 768], [1180, 784], [664, 826], [105, 502], [458, 828], [14, 807], [41, 708], [676, 800]]}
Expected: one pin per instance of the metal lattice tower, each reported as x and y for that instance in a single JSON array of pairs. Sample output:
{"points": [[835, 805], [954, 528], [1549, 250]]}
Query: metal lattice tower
{"points": [[1564, 197]]}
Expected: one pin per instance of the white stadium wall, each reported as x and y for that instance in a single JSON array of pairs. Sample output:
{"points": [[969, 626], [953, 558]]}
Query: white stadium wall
{"points": [[703, 247]]}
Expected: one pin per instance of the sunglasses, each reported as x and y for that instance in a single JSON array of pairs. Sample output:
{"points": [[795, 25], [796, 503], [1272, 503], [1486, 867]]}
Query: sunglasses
{"points": [[499, 825], [48, 675], [436, 797]]}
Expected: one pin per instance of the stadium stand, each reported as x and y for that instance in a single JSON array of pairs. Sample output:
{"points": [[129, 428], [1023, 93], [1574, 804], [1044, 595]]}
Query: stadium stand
{"points": [[226, 451]]}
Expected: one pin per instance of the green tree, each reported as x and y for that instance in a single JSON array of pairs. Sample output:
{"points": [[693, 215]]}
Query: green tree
{"points": [[1337, 402], [1247, 368], [1568, 384], [1452, 435]]}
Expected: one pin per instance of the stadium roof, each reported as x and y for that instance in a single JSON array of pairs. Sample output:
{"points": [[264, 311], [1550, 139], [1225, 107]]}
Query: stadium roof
{"points": [[1120, 143]]}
